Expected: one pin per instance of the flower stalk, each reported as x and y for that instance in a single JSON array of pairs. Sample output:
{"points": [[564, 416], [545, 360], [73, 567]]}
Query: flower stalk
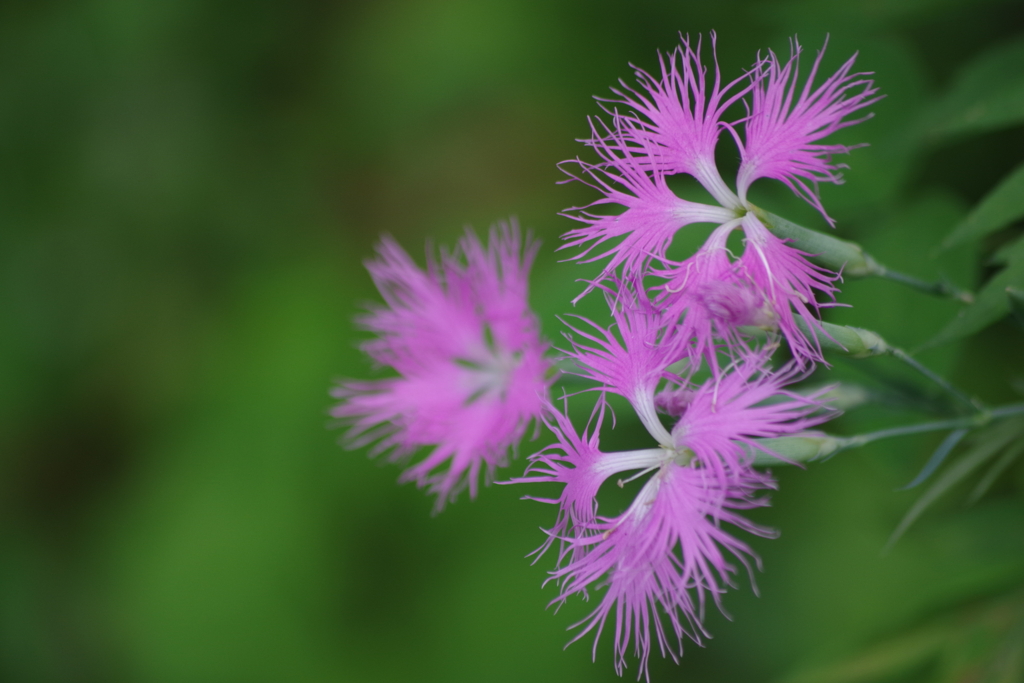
{"points": [[821, 447]]}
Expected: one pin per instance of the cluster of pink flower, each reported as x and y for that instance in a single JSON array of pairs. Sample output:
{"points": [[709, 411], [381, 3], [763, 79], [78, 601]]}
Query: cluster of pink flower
{"points": [[472, 370]]}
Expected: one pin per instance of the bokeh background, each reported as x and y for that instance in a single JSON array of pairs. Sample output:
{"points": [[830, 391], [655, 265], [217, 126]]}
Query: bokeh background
{"points": [[187, 191]]}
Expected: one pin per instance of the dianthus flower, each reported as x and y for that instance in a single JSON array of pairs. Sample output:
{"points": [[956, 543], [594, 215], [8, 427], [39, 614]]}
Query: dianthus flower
{"points": [[669, 552], [672, 125], [468, 355]]}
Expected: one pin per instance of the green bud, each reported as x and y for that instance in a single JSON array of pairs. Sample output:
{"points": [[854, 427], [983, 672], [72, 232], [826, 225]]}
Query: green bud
{"points": [[794, 449]]}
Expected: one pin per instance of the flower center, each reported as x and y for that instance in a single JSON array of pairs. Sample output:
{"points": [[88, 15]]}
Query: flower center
{"points": [[487, 371]]}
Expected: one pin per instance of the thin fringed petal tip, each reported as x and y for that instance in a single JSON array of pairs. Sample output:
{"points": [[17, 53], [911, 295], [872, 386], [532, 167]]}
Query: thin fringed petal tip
{"points": [[786, 121], [663, 558], [651, 212], [576, 462], [631, 356], [469, 359], [791, 285], [679, 115]]}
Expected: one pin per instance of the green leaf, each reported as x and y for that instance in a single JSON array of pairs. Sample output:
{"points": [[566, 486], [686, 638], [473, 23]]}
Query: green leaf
{"points": [[987, 94], [1015, 296], [937, 458], [998, 467], [996, 210], [992, 302], [973, 642], [883, 661], [986, 445]]}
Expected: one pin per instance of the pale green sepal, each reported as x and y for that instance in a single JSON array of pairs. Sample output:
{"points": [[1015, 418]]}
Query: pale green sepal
{"points": [[850, 259], [831, 252], [786, 450], [840, 396], [852, 341]]}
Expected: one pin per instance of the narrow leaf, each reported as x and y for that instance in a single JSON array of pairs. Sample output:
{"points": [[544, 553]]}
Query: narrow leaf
{"points": [[991, 303], [990, 442], [1016, 299], [883, 661], [987, 94], [997, 209], [938, 457], [998, 467]]}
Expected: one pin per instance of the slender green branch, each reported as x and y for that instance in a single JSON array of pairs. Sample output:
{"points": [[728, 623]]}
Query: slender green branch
{"points": [[859, 343], [792, 449], [941, 288], [979, 419], [905, 357], [1006, 411]]}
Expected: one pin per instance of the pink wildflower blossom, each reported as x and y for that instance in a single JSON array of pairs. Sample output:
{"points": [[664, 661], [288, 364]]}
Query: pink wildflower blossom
{"points": [[663, 556], [469, 358], [668, 551], [673, 126]]}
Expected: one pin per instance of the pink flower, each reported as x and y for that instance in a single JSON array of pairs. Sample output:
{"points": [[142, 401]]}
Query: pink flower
{"points": [[672, 127], [663, 557], [782, 131], [471, 372], [668, 552]]}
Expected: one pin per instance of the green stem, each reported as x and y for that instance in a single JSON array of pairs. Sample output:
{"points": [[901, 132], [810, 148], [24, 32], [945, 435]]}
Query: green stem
{"points": [[859, 343], [979, 419], [941, 288], [902, 355]]}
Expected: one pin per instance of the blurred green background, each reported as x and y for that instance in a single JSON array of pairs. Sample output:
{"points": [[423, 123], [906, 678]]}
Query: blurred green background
{"points": [[187, 191]]}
